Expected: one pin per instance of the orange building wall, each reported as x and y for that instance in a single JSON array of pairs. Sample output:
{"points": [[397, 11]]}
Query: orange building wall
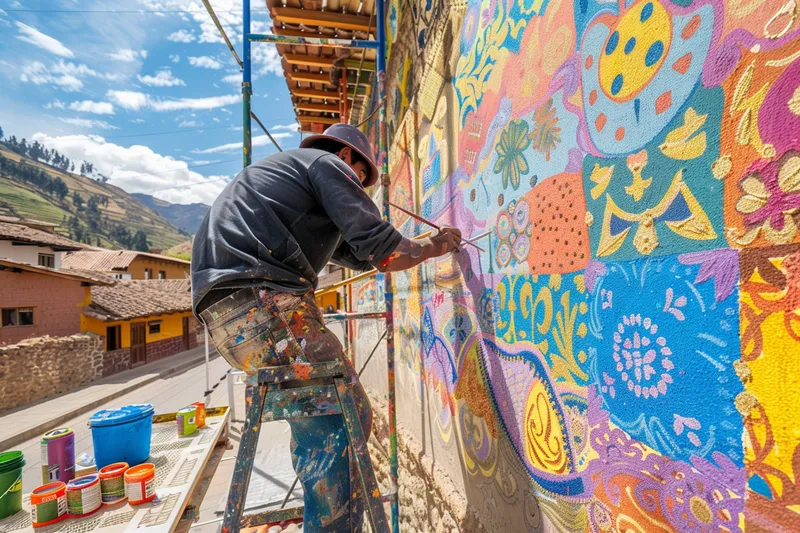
{"points": [[56, 304], [173, 270], [171, 326]]}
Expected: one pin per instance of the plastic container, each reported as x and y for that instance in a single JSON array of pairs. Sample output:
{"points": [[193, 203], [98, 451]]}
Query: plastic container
{"points": [[201, 413], [187, 421], [11, 464], [58, 455], [112, 483], [140, 483], [84, 465], [49, 504], [83, 496], [122, 435]]}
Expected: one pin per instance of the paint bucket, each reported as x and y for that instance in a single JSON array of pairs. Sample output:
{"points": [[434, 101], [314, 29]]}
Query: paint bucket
{"points": [[187, 421], [122, 435], [83, 495], [58, 455], [49, 504], [140, 483], [112, 483], [201, 413], [84, 465], [11, 464]]}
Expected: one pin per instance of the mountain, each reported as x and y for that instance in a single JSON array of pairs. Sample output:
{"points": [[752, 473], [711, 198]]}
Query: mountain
{"points": [[86, 210], [184, 216]]}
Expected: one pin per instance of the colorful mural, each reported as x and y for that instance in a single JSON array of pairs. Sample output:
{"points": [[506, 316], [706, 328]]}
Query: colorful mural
{"points": [[624, 354]]}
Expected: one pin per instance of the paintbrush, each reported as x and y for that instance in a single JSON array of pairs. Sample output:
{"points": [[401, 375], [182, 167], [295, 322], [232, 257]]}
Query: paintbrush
{"points": [[428, 222]]}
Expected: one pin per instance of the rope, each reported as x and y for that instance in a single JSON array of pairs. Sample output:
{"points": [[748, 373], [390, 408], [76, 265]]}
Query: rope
{"points": [[377, 106], [361, 63], [222, 31], [266, 131]]}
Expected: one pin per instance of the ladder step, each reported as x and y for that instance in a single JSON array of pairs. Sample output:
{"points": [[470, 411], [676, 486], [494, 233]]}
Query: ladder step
{"points": [[353, 316], [301, 402], [272, 517], [298, 371]]}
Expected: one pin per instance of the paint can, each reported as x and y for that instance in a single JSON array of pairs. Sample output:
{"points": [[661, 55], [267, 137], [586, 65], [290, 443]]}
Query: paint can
{"points": [[84, 465], [201, 413], [83, 495], [112, 483], [58, 455], [187, 421], [11, 464], [140, 483], [49, 504]]}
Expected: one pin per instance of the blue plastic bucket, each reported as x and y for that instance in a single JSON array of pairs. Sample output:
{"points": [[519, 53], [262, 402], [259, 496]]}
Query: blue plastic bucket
{"points": [[122, 435]]}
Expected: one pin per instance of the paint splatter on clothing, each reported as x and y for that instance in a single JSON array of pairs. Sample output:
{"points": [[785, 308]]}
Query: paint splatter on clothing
{"points": [[257, 327]]}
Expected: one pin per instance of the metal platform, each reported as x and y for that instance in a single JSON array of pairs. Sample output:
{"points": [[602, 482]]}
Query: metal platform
{"points": [[179, 461]]}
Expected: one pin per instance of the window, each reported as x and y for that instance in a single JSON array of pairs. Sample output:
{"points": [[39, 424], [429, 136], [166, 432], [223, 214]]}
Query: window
{"points": [[113, 338], [47, 260], [154, 326], [162, 274], [21, 316], [148, 273]]}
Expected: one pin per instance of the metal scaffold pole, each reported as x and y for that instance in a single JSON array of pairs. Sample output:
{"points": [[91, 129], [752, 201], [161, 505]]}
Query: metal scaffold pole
{"points": [[388, 289], [247, 87]]}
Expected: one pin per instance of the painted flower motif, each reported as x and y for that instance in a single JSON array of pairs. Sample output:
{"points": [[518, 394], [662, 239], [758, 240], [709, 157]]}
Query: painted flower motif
{"points": [[636, 353], [513, 229], [771, 200], [547, 134], [511, 162], [486, 313]]}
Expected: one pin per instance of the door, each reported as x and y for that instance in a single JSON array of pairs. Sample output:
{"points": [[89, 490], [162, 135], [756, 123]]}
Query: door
{"points": [[138, 343], [186, 333]]}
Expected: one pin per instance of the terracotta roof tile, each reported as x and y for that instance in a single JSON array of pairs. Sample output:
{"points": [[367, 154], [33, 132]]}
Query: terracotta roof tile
{"points": [[92, 278], [21, 233], [140, 298], [108, 260]]}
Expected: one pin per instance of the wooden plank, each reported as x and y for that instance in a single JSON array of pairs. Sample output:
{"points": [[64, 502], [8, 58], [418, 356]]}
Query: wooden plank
{"points": [[268, 518], [301, 402], [302, 117], [301, 92], [322, 108], [311, 61], [297, 33], [328, 19], [310, 77]]}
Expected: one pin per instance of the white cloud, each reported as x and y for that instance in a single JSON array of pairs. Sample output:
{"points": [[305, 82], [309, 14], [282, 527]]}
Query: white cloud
{"points": [[190, 124], [289, 127], [89, 123], [138, 121], [228, 111], [215, 119], [127, 55], [175, 58], [266, 60], [181, 36], [163, 78], [63, 74], [260, 140], [58, 104], [205, 62], [88, 106], [234, 79], [138, 168], [135, 101], [40, 40]]}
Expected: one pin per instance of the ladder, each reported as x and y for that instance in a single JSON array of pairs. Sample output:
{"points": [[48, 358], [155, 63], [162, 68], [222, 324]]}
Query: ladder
{"points": [[270, 396]]}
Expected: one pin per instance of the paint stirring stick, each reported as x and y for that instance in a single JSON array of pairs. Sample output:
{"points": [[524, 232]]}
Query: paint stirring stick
{"points": [[428, 222]]}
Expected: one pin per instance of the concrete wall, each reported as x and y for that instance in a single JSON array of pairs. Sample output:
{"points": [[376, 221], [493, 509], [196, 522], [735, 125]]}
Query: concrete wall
{"points": [[624, 354], [28, 254], [56, 304], [40, 368]]}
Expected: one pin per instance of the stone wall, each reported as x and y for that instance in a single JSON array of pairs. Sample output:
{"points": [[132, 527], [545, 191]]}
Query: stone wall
{"points": [[116, 361], [40, 368], [164, 348]]}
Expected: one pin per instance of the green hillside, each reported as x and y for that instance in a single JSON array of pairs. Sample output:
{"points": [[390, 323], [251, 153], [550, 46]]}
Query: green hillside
{"points": [[118, 210]]}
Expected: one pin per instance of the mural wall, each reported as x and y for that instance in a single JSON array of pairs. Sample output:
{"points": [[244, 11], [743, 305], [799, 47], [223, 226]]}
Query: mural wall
{"points": [[625, 353]]}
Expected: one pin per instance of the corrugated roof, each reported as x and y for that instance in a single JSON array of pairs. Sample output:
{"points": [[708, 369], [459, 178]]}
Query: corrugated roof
{"points": [[10, 231], [126, 300], [110, 260], [91, 278], [314, 73]]}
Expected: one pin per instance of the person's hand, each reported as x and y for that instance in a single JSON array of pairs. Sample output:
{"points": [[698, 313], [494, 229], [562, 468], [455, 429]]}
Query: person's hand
{"points": [[447, 240]]}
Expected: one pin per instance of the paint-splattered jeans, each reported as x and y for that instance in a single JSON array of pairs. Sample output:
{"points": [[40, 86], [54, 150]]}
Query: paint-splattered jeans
{"points": [[255, 328]]}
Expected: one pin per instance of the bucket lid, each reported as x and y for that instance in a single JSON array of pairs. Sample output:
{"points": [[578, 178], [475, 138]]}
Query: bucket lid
{"points": [[82, 482], [57, 434], [187, 410], [11, 460], [129, 413]]}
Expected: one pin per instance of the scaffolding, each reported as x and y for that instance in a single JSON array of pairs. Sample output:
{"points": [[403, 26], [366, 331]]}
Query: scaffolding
{"points": [[295, 34]]}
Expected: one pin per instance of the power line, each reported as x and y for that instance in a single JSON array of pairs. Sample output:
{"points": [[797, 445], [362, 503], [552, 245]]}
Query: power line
{"points": [[125, 11], [184, 130]]}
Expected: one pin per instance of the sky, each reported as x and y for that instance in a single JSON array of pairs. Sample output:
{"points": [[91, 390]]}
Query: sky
{"points": [[150, 94]]}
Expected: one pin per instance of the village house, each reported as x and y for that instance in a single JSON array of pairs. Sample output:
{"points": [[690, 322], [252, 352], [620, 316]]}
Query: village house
{"points": [[142, 320], [128, 264], [27, 242]]}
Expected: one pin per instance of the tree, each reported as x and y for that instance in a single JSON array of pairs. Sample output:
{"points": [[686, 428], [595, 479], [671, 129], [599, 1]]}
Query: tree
{"points": [[72, 167], [140, 243], [1, 133], [77, 201], [60, 188]]}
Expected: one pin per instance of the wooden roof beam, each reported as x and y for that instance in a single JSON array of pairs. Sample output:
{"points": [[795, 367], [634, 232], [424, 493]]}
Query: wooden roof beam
{"points": [[311, 18], [311, 61], [322, 108], [311, 119], [310, 77], [301, 92]]}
